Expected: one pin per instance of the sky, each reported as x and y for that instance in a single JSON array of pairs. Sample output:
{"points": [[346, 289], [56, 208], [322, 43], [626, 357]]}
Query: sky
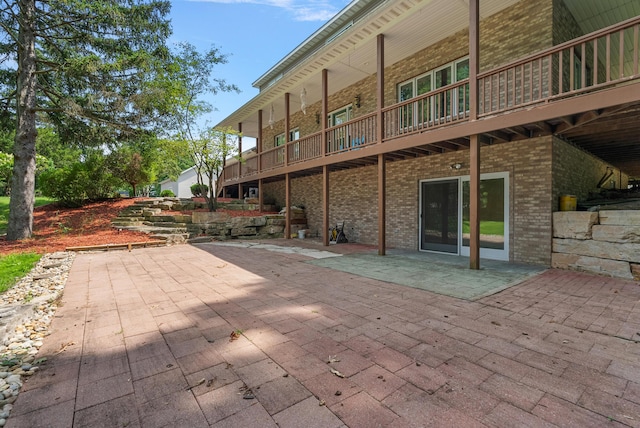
{"points": [[255, 34]]}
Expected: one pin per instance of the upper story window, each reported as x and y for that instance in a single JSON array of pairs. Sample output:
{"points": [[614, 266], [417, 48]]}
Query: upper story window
{"points": [[431, 80], [340, 116], [438, 107], [434, 79], [279, 139]]}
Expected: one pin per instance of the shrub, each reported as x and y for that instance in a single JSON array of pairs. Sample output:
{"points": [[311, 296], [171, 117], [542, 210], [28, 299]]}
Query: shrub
{"points": [[166, 193], [199, 190], [80, 181]]}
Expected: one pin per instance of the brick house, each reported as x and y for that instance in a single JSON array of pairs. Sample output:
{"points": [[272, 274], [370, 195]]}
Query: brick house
{"points": [[449, 126]]}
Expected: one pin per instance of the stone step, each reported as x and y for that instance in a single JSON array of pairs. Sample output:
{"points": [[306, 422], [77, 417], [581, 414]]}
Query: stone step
{"points": [[166, 224], [172, 238], [127, 220]]}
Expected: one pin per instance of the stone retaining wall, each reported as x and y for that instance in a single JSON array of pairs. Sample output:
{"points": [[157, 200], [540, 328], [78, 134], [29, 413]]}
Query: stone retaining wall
{"points": [[606, 243], [222, 226]]}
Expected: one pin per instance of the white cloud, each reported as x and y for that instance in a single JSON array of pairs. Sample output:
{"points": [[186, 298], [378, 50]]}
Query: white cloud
{"points": [[301, 10]]}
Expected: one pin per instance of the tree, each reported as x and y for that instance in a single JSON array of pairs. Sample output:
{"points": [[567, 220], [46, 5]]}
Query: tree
{"points": [[209, 153], [187, 78], [81, 64], [136, 161]]}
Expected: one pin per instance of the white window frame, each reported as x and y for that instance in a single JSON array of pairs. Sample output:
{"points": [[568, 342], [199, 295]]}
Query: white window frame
{"points": [[279, 139], [413, 109], [488, 253]]}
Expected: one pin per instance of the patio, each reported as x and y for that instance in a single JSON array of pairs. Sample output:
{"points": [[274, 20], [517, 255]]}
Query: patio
{"points": [[144, 339]]}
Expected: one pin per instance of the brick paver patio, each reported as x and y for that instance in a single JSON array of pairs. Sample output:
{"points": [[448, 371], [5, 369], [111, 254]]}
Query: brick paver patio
{"points": [[142, 339]]}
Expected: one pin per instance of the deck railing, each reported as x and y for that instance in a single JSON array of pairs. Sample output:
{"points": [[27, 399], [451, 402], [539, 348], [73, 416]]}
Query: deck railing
{"points": [[606, 57], [305, 148], [272, 158], [434, 109], [352, 135], [589, 63]]}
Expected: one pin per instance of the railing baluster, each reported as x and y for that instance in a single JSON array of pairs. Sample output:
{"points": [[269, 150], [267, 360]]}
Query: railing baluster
{"points": [[595, 61], [583, 67], [560, 73], [621, 55], [572, 65], [608, 70], [635, 49]]}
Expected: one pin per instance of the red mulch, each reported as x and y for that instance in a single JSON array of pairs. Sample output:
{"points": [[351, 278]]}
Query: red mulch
{"points": [[56, 228]]}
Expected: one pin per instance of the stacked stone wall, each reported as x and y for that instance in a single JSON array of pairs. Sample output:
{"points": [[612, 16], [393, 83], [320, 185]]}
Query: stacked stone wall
{"points": [[606, 243]]}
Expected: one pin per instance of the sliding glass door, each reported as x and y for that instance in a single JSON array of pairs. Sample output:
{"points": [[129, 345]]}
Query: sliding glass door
{"points": [[439, 229], [445, 214]]}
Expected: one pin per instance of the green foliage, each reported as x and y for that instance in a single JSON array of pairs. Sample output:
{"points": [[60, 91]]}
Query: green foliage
{"points": [[129, 166], [81, 181], [60, 153], [84, 67], [199, 190], [15, 266], [6, 170], [166, 193], [209, 153]]}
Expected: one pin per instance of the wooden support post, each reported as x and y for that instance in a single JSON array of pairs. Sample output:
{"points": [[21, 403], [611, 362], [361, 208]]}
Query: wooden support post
{"points": [[287, 197], [382, 205], [287, 126], [260, 198], [474, 203], [324, 110], [259, 141], [325, 205], [240, 149], [380, 89], [474, 147], [474, 57]]}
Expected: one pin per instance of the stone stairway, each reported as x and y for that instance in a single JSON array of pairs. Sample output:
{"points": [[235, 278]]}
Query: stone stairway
{"points": [[146, 216]]}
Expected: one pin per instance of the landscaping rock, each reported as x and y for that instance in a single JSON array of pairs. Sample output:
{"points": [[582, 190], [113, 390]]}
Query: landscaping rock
{"points": [[599, 249], [205, 217], [620, 218], [613, 233], [574, 224], [614, 268]]}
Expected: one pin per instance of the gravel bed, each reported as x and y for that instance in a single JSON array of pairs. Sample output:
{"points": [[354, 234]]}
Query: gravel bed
{"points": [[26, 311]]}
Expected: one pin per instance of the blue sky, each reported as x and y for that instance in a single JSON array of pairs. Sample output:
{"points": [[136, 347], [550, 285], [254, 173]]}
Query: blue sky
{"points": [[255, 34]]}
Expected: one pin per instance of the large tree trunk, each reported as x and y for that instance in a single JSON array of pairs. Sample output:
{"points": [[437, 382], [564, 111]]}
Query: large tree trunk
{"points": [[24, 165]]}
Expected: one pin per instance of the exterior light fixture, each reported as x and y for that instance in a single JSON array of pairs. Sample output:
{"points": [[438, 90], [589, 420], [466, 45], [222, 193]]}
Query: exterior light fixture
{"points": [[317, 118], [356, 101], [455, 166]]}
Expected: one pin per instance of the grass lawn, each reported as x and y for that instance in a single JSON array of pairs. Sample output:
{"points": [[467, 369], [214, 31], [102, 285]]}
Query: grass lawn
{"points": [[15, 266], [4, 210], [486, 227]]}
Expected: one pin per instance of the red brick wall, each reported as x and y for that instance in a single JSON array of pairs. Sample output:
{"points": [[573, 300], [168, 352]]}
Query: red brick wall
{"points": [[576, 172], [353, 196]]}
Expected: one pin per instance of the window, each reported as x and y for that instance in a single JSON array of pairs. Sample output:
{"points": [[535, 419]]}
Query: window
{"points": [[340, 116], [439, 107], [338, 137], [279, 140], [294, 134]]}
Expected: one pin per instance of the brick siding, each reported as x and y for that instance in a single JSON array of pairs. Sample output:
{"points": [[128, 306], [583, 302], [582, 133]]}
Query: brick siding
{"points": [[499, 44], [353, 196], [576, 172]]}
